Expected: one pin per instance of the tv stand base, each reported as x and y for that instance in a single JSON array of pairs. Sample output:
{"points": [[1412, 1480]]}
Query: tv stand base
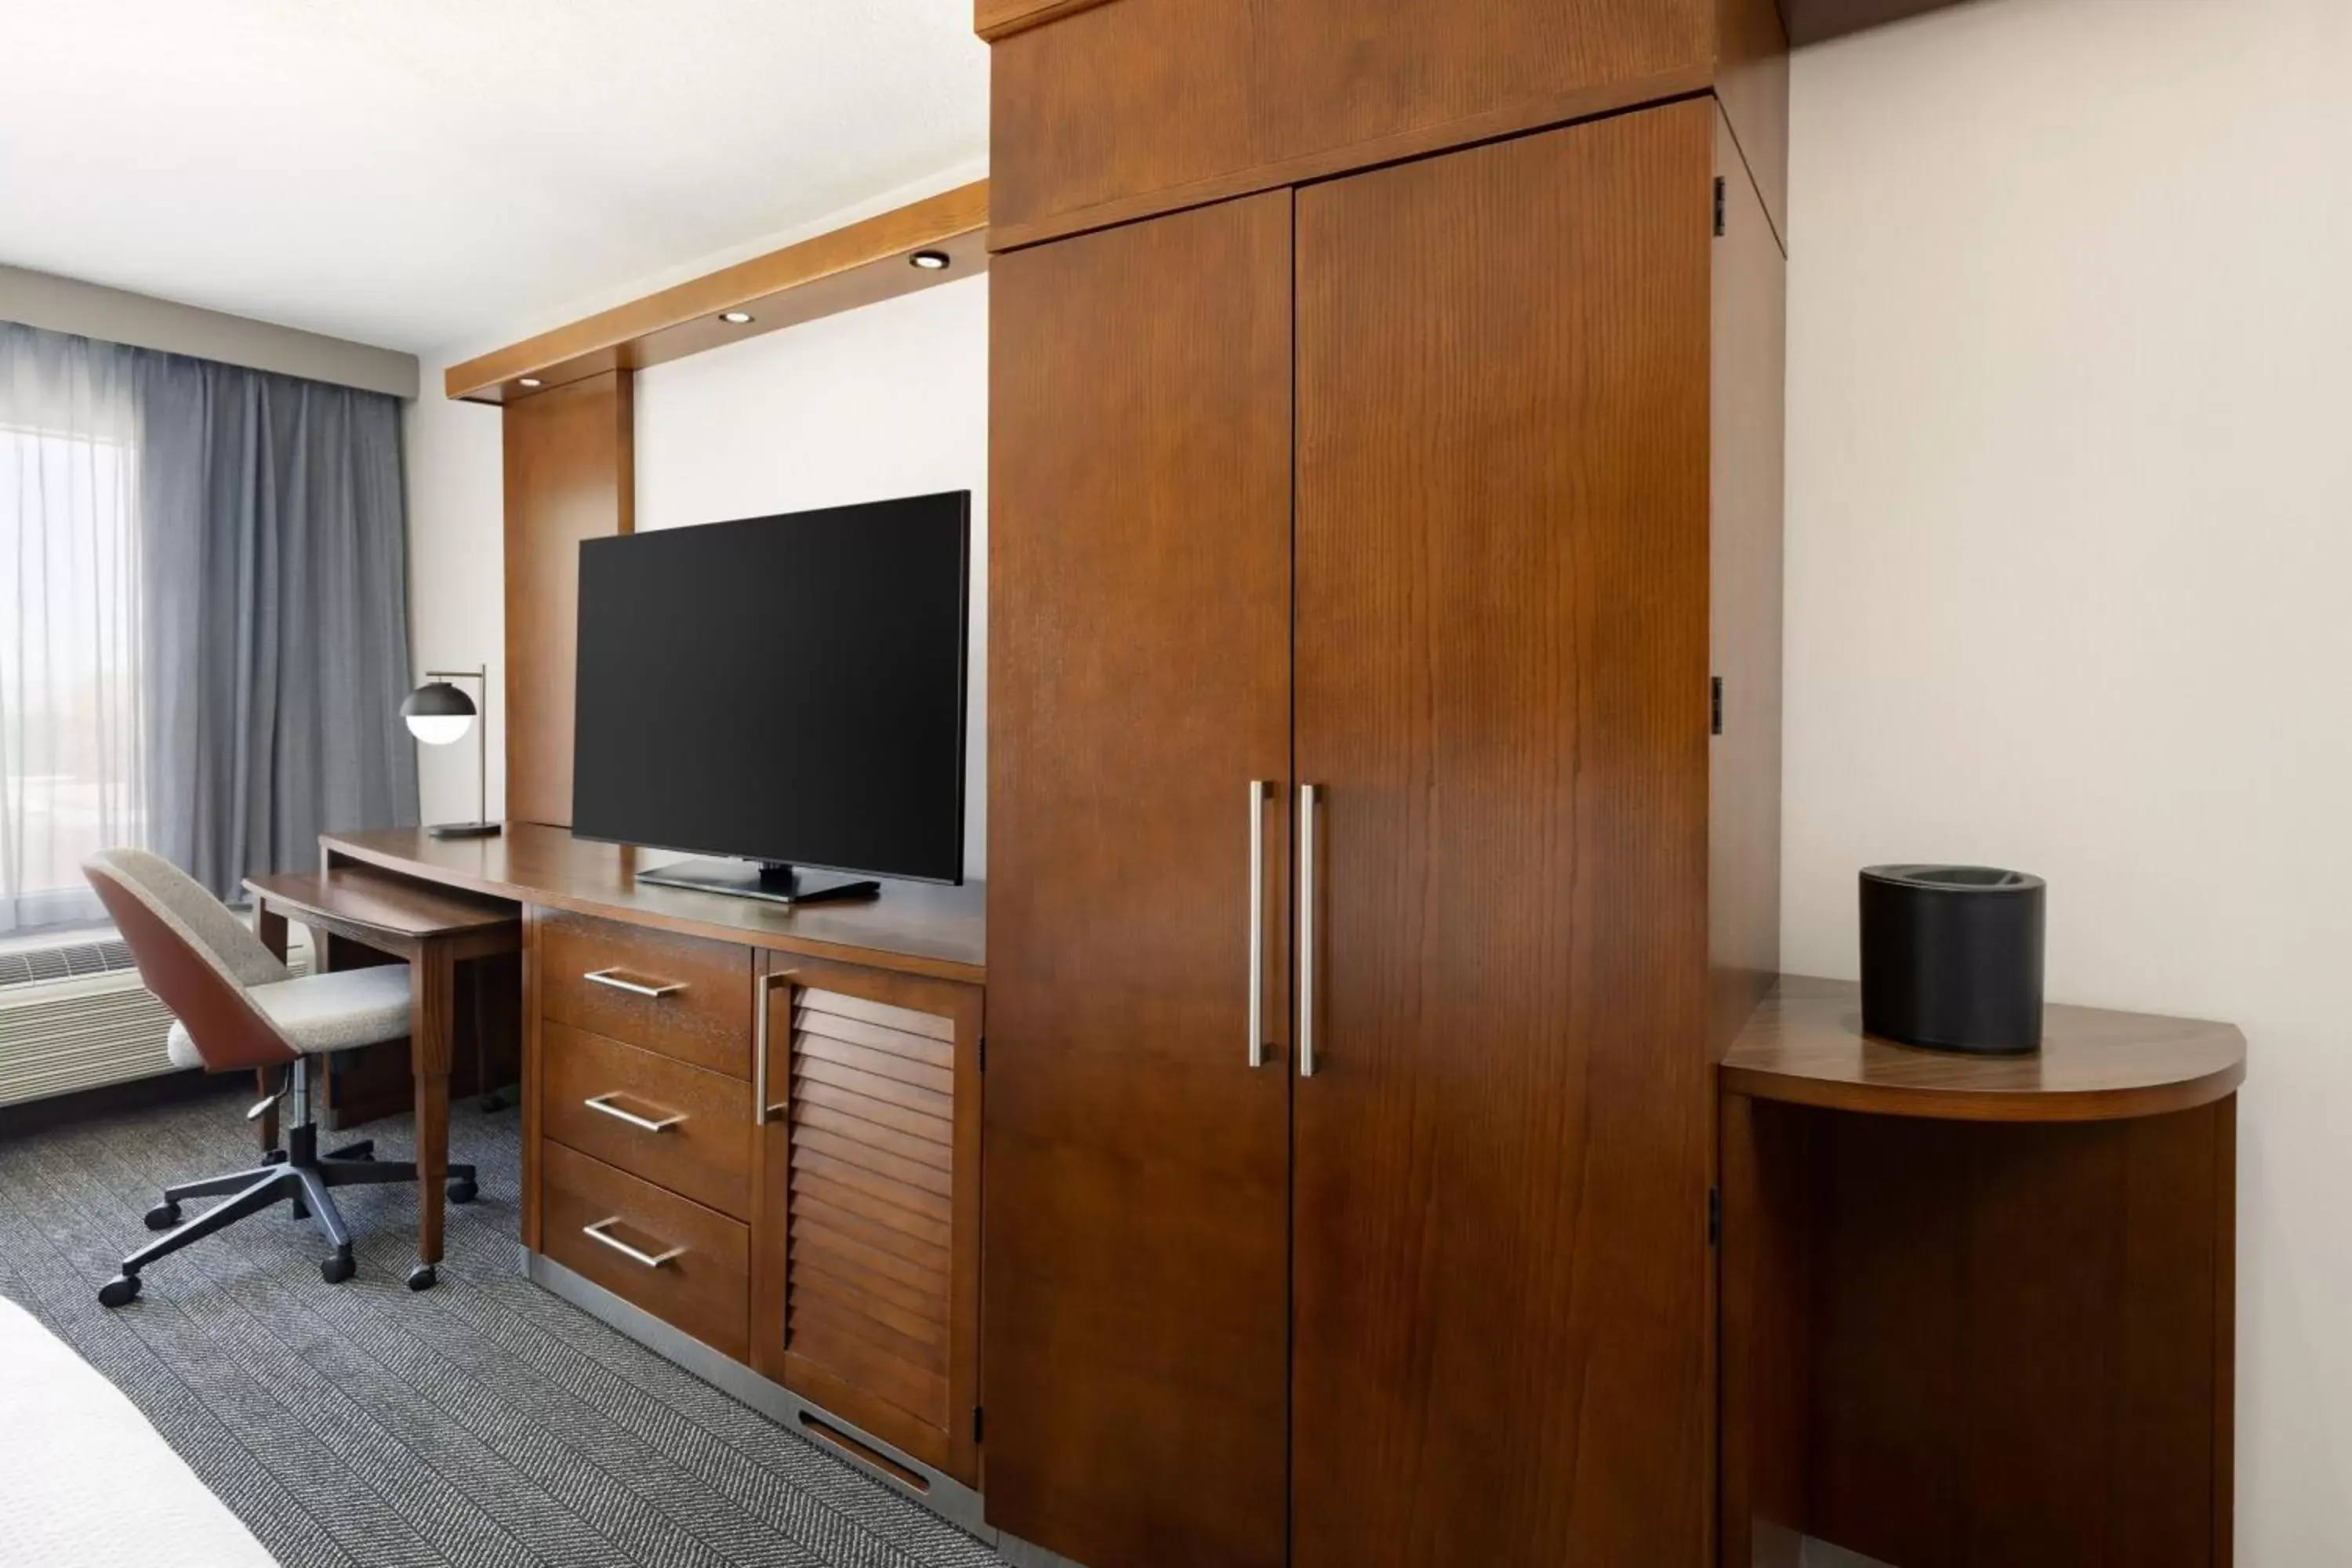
{"points": [[758, 880]]}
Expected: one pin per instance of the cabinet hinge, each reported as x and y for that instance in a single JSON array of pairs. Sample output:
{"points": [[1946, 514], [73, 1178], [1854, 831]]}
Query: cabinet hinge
{"points": [[1714, 705], [1718, 204], [1714, 1215], [975, 1423]]}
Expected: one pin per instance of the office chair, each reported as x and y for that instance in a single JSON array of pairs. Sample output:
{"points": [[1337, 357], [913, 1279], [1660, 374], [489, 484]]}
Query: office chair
{"points": [[239, 1009]]}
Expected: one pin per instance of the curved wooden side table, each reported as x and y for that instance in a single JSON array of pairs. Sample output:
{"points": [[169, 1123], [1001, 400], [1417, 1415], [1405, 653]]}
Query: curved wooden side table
{"points": [[1978, 1311]]}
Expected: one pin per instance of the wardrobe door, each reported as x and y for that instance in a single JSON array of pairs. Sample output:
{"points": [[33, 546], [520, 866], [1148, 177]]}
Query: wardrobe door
{"points": [[1136, 1163], [1501, 1254]]}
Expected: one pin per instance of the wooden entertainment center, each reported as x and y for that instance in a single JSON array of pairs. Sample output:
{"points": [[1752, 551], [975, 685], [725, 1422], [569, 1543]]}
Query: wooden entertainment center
{"points": [[1401, 1148]]}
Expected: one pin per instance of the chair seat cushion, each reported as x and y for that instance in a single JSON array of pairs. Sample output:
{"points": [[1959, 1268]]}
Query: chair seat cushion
{"points": [[325, 1012]]}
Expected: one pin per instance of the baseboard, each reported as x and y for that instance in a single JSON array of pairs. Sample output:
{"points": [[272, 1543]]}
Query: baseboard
{"points": [[900, 1471], [114, 1098]]}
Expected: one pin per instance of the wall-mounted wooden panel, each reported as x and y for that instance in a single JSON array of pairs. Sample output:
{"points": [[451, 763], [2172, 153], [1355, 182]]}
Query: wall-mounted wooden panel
{"points": [[570, 474], [859, 264], [1185, 101]]}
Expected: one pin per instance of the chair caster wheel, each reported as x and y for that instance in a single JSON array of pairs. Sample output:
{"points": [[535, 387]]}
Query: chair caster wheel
{"points": [[274, 1157], [339, 1268], [462, 1191], [119, 1291], [422, 1277], [163, 1216]]}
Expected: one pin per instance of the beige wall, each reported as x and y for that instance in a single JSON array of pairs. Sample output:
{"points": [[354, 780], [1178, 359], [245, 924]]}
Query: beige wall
{"points": [[2070, 569]]}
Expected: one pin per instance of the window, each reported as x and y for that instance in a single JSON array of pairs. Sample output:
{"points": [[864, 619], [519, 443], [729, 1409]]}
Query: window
{"points": [[71, 780]]}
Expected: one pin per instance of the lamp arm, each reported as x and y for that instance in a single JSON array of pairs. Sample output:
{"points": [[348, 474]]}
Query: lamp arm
{"points": [[479, 676]]}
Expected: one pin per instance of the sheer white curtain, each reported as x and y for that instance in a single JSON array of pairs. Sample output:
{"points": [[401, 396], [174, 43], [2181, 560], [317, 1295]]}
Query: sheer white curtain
{"points": [[71, 772]]}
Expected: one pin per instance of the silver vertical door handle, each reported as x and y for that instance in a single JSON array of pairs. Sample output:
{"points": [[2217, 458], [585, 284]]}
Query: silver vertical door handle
{"points": [[1259, 792], [762, 997], [1308, 795]]}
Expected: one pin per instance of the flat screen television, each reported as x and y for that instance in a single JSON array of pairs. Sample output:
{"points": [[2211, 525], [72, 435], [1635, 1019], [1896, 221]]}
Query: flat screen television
{"points": [[787, 691]]}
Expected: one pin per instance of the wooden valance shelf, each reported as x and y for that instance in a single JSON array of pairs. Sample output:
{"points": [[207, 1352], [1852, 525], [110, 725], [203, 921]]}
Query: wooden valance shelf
{"points": [[1805, 1045], [861, 263]]}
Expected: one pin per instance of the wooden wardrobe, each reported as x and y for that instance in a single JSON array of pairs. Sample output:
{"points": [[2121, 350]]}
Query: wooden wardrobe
{"points": [[1384, 788]]}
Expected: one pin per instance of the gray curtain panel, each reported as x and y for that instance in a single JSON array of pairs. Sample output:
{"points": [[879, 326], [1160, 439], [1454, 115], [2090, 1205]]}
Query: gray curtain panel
{"points": [[275, 584]]}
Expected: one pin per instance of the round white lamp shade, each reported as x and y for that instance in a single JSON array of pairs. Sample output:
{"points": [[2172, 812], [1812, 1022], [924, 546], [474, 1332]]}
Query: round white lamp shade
{"points": [[438, 713]]}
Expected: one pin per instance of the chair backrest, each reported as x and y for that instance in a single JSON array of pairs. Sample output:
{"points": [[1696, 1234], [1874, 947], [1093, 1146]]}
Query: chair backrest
{"points": [[195, 955]]}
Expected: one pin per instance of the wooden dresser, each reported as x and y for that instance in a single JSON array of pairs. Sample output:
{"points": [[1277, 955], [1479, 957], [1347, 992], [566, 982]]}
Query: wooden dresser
{"points": [[752, 1135]]}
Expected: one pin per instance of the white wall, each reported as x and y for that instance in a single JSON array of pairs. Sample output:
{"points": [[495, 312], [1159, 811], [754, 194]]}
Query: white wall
{"points": [[886, 401], [2069, 561], [456, 579], [890, 400]]}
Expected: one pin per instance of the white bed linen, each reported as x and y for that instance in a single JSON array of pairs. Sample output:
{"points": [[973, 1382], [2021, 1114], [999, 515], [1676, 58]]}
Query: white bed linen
{"points": [[85, 1482]]}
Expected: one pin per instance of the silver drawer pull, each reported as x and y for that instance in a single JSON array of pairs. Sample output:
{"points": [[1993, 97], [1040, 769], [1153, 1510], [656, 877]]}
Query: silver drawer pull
{"points": [[612, 977], [650, 1259], [603, 1102]]}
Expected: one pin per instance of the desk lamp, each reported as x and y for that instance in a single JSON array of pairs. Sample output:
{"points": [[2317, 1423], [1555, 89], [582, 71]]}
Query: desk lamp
{"points": [[438, 714]]}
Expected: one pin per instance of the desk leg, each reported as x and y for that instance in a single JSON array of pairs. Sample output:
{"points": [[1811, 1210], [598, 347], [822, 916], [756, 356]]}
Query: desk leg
{"points": [[433, 976], [271, 927]]}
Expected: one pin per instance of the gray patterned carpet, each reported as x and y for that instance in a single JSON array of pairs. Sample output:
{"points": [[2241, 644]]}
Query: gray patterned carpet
{"points": [[483, 1423]]}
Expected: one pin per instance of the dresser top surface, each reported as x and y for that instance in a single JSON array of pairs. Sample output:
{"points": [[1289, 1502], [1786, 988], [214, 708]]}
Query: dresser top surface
{"points": [[917, 927], [1805, 1045]]}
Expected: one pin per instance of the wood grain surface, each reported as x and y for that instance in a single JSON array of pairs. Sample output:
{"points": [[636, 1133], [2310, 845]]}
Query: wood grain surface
{"points": [[865, 1283], [1805, 1045], [859, 264], [2015, 1342], [570, 474], [1141, 98], [917, 928], [705, 1154], [705, 1291], [705, 1015], [1140, 481], [994, 20], [1501, 1328], [350, 900]]}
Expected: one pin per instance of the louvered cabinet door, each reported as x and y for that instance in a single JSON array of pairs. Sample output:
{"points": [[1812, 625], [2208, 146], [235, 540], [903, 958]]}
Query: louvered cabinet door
{"points": [[865, 1239]]}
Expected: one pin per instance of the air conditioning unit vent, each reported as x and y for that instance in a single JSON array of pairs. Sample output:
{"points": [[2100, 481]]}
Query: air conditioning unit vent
{"points": [[82, 1020], [77, 960]]}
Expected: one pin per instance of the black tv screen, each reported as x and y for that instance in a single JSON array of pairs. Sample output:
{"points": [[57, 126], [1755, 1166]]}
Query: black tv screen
{"points": [[788, 689]]}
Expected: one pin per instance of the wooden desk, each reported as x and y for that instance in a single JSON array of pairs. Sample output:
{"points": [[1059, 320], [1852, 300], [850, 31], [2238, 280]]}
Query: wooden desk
{"points": [[1978, 1311], [433, 930], [751, 1132]]}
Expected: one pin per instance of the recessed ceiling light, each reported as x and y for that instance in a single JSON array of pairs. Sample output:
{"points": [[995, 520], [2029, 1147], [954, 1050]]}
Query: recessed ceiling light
{"points": [[930, 260], [735, 317], [528, 381]]}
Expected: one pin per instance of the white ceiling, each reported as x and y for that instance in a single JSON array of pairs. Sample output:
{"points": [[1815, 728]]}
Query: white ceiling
{"points": [[435, 175]]}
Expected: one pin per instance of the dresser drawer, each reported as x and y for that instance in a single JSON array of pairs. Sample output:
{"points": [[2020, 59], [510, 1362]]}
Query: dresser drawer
{"points": [[686, 1265], [680, 995], [679, 1126]]}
